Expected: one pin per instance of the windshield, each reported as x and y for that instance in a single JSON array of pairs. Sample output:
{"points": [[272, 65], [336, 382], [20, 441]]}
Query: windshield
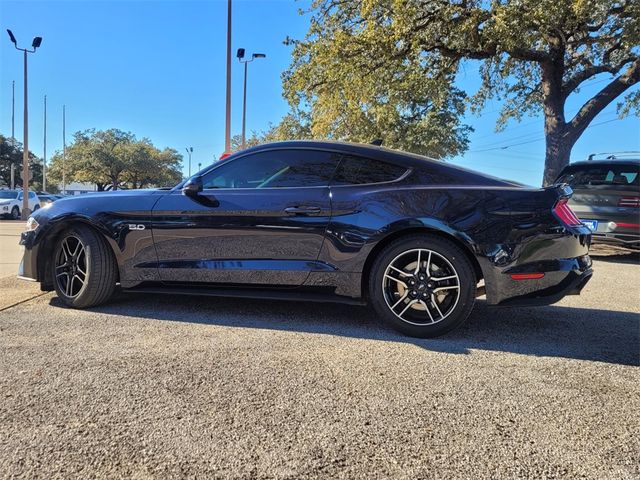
{"points": [[8, 194], [610, 175]]}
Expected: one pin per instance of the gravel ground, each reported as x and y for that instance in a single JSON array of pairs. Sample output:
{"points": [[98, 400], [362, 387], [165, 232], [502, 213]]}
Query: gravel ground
{"points": [[155, 387]]}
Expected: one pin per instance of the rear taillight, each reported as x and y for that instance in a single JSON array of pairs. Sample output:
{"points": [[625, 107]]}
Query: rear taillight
{"points": [[565, 214], [629, 202]]}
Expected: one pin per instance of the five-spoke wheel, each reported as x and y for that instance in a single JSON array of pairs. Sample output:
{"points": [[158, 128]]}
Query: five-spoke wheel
{"points": [[83, 269], [71, 266]]}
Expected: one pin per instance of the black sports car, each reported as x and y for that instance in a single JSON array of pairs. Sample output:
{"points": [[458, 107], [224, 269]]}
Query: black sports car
{"points": [[415, 238]]}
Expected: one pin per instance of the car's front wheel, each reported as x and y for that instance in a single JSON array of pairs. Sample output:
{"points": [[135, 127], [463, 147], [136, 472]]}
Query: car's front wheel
{"points": [[422, 285], [15, 213], [84, 269]]}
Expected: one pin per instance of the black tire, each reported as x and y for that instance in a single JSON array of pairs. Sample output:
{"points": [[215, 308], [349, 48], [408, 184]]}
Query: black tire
{"points": [[36, 208], [423, 314], [15, 213], [99, 268]]}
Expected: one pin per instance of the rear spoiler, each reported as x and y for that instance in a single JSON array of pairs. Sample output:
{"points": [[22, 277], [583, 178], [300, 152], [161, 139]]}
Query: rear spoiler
{"points": [[560, 190]]}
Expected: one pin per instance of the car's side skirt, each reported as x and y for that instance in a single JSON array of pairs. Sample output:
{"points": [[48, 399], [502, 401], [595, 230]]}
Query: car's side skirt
{"points": [[302, 294]]}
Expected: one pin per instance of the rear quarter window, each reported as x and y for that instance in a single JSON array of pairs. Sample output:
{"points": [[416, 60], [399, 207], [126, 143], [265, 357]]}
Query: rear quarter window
{"points": [[354, 170]]}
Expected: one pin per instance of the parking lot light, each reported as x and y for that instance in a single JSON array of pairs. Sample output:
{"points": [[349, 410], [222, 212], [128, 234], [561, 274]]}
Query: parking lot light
{"points": [[37, 41]]}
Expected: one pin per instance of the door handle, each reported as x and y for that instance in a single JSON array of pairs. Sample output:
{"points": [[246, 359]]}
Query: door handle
{"points": [[308, 210]]}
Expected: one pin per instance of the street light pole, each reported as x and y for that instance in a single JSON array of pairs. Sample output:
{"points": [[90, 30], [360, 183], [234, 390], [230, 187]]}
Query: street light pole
{"points": [[13, 131], [25, 154], [227, 122], [189, 152], [44, 155], [240, 55], [64, 149]]}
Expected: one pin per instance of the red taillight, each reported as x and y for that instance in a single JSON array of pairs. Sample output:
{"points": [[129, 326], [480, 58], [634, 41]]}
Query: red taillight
{"points": [[629, 202], [565, 214]]}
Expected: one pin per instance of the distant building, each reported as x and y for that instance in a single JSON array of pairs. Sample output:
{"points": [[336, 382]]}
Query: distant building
{"points": [[77, 188]]}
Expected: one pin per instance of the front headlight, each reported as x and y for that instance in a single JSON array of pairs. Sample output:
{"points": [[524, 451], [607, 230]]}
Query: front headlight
{"points": [[31, 225]]}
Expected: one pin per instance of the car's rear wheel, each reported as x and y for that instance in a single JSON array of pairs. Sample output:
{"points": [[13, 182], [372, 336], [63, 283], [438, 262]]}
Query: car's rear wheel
{"points": [[422, 285], [15, 213], [84, 269]]}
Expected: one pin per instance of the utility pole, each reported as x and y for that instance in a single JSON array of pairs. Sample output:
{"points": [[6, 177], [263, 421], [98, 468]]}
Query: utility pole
{"points": [[227, 123], [64, 150], [44, 156], [25, 154]]}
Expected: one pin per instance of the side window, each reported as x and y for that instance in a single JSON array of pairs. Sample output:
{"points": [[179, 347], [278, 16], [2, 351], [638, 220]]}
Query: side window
{"points": [[20, 196], [355, 170], [32, 195], [275, 169]]}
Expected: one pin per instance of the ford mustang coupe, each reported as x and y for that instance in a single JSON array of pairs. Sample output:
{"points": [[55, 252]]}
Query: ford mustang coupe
{"points": [[415, 238]]}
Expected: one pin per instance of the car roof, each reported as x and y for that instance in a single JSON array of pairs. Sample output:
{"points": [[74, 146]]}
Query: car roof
{"points": [[365, 149], [376, 152], [609, 161]]}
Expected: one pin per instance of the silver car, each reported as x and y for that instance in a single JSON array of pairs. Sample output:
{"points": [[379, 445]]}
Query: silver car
{"points": [[606, 198]]}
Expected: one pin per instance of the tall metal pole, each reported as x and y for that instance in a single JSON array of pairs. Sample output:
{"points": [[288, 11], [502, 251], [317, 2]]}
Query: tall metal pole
{"points": [[189, 152], [13, 111], [44, 156], [227, 125], [64, 150], [244, 108], [25, 153], [13, 130]]}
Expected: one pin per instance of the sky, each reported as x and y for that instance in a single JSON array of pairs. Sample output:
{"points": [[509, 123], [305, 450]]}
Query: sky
{"points": [[157, 69]]}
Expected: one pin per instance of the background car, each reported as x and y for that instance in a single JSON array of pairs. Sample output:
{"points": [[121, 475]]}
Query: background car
{"points": [[11, 203], [415, 238], [47, 198], [606, 198]]}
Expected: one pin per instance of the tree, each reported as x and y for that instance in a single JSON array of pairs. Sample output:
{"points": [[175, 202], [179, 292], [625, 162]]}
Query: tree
{"points": [[115, 159], [11, 153], [148, 166], [291, 127], [388, 67]]}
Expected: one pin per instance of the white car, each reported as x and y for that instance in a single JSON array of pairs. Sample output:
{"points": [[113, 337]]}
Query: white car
{"points": [[11, 203]]}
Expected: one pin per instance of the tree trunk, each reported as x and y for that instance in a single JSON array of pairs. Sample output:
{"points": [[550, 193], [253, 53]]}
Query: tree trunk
{"points": [[557, 154], [556, 130]]}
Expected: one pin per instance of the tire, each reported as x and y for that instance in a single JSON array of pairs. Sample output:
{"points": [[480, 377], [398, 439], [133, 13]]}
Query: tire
{"points": [[15, 213], [418, 304], [36, 208], [84, 270]]}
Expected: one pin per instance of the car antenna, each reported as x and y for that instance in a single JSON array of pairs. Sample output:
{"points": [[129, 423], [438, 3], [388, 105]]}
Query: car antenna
{"points": [[377, 142]]}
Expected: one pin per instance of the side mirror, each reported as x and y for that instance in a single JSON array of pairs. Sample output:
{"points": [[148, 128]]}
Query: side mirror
{"points": [[193, 186]]}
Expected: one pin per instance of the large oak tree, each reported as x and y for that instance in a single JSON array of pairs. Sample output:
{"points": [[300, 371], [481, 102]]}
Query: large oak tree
{"points": [[387, 68]]}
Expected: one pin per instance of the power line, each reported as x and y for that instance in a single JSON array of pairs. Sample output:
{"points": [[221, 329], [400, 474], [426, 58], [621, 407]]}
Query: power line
{"points": [[504, 147]]}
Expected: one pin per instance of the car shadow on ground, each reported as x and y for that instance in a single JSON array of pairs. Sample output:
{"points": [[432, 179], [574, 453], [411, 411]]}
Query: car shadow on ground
{"points": [[553, 331]]}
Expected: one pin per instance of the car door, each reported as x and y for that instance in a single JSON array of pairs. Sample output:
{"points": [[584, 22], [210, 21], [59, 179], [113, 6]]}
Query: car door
{"points": [[259, 219]]}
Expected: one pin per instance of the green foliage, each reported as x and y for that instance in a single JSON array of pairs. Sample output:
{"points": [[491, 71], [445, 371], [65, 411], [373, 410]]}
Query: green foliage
{"points": [[290, 127], [387, 68], [115, 159], [12, 153]]}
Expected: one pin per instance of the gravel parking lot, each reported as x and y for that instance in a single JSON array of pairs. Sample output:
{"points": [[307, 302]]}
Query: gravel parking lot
{"points": [[153, 387]]}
